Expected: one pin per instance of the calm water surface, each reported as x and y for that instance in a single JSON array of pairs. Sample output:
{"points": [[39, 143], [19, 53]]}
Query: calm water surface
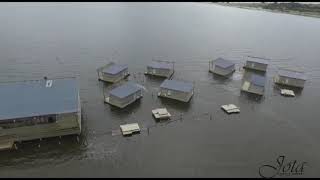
{"points": [[74, 39]]}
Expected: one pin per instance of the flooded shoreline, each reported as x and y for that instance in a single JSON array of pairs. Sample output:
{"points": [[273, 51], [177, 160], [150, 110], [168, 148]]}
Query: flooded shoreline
{"points": [[260, 6], [206, 142]]}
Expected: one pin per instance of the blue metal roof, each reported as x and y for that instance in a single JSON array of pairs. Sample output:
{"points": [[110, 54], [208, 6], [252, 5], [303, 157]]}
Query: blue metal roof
{"points": [[160, 65], [258, 80], [33, 98], [258, 60], [125, 90], [221, 62], [292, 74], [177, 85], [114, 69]]}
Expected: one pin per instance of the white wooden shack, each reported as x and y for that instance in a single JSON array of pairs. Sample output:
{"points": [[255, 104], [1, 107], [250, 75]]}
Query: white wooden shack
{"points": [[257, 63], [113, 72], [129, 129], [39, 109], [222, 67], [254, 85], [290, 78], [124, 95], [178, 90], [161, 113], [160, 68]]}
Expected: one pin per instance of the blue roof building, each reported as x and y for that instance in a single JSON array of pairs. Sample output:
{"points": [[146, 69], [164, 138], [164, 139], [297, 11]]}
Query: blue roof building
{"points": [[221, 62], [257, 63], [160, 68], [113, 72], [34, 98], [177, 85], [291, 78], [124, 94], [40, 109], [114, 69], [178, 90], [292, 74], [255, 84], [160, 65], [125, 90], [222, 67]]}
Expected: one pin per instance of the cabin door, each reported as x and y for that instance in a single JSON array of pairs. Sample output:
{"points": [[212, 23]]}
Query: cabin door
{"points": [[153, 71]]}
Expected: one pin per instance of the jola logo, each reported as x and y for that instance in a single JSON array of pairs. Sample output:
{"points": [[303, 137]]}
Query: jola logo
{"points": [[282, 168]]}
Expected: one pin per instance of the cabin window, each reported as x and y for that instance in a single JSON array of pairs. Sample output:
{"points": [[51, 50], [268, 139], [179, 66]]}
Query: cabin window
{"points": [[51, 119], [29, 121], [169, 93]]}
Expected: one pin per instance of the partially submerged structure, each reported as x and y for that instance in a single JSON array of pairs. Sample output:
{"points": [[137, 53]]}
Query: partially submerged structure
{"points": [[230, 108], [221, 67], [161, 113], [178, 90], [39, 109], [124, 95], [290, 78], [257, 63], [255, 84], [287, 92], [113, 72], [160, 68], [128, 129]]}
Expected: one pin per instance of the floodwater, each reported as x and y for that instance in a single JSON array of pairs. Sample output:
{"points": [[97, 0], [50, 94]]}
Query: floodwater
{"points": [[74, 39]]}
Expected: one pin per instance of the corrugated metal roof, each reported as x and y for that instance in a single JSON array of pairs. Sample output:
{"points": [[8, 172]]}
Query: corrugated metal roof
{"points": [[258, 60], [258, 80], [33, 98], [292, 74], [221, 62], [125, 90], [114, 69], [160, 65], [177, 85]]}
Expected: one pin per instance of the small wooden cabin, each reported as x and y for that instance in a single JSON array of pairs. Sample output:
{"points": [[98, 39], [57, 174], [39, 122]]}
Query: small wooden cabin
{"points": [[160, 68], [178, 90], [255, 84], [222, 67], [113, 72], [257, 63], [39, 109], [124, 95], [290, 78]]}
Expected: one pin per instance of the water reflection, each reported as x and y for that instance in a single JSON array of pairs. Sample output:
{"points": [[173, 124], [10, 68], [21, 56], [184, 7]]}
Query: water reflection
{"points": [[49, 150]]}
